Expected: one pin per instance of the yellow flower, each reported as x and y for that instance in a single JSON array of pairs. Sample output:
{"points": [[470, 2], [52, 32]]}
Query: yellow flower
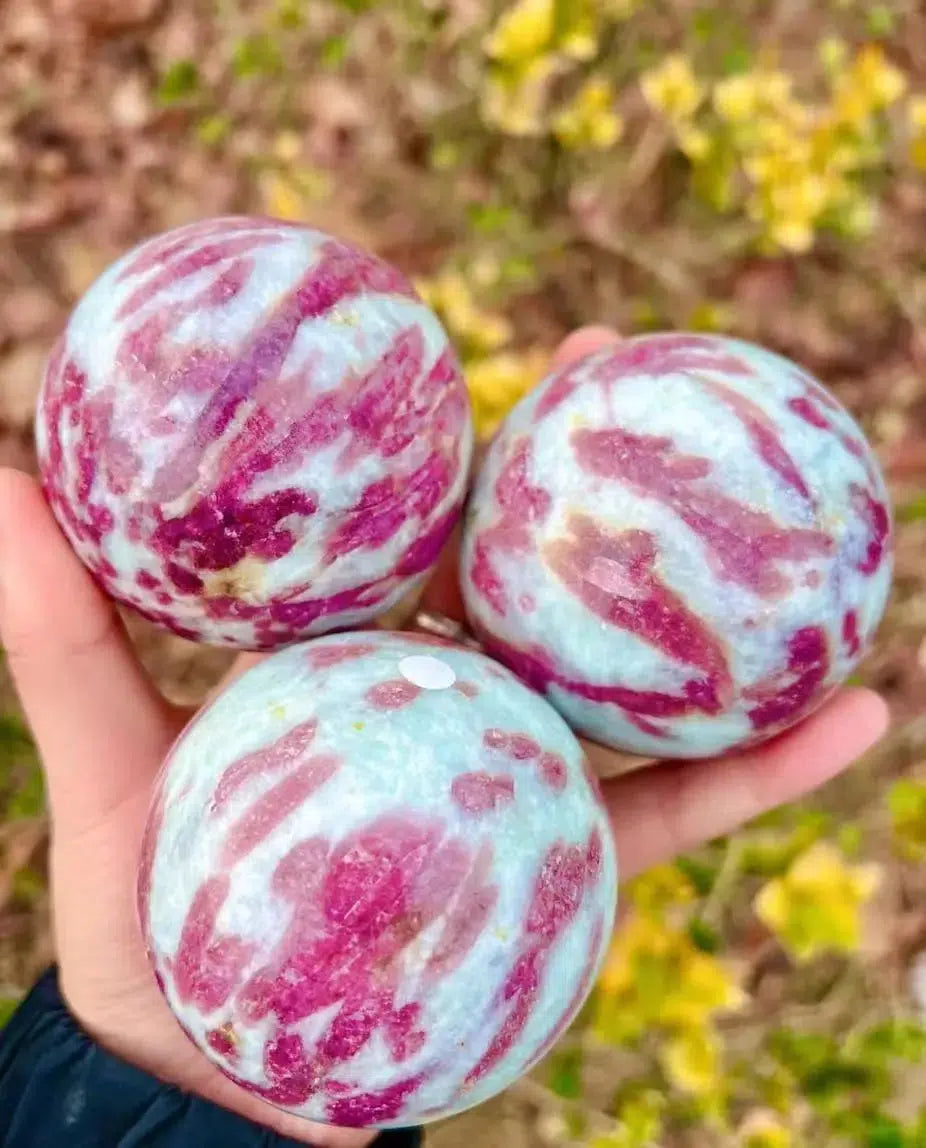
{"points": [[496, 383], [659, 888], [694, 142], [282, 199], [589, 120], [877, 77], [792, 234], [916, 112], [691, 1059], [639, 1122], [531, 28], [740, 99], [833, 52], [513, 100], [736, 99], [522, 32], [449, 294], [672, 88], [816, 905], [655, 976], [906, 802], [763, 1129]]}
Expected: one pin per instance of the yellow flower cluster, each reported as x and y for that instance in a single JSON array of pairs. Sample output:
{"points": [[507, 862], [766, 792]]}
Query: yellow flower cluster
{"points": [[638, 1122], [794, 167], [475, 330], [497, 382], [657, 980], [533, 42], [916, 111], [763, 1129], [496, 378], [589, 121], [816, 905]]}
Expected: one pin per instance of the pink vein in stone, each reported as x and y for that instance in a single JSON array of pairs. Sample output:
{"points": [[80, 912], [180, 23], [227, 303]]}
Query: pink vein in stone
{"points": [[522, 504], [392, 695], [559, 890], [850, 633], [207, 968], [747, 545], [782, 698], [356, 906], [284, 753], [324, 657], [481, 792], [765, 437], [615, 576], [272, 808], [535, 667], [657, 355], [874, 515]]}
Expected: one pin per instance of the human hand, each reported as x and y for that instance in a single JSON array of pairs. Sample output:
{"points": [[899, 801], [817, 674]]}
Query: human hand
{"points": [[103, 730]]}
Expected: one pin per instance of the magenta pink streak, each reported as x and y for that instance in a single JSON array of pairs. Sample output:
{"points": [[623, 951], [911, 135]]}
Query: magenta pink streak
{"points": [[787, 695], [355, 909], [748, 545], [559, 890], [878, 524], [392, 695], [522, 504], [285, 751], [272, 808], [207, 969], [765, 437], [850, 633], [615, 576], [519, 746], [481, 792]]}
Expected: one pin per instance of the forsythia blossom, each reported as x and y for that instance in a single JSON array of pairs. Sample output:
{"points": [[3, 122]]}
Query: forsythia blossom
{"points": [[589, 120], [816, 905]]}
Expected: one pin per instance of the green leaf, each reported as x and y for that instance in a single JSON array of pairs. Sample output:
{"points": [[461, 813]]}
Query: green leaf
{"points": [[8, 1006], [885, 1133], [700, 873], [334, 51], [290, 14], [490, 217], [566, 1074], [913, 511], [836, 1076], [903, 1039], [256, 55], [28, 799], [15, 739], [736, 60], [704, 936], [28, 886], [214, 130], [881, 20], [178, 83]]}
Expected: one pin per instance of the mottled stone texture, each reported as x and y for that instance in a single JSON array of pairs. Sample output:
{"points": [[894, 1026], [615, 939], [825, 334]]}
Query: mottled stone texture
{"points": [[683, 541], [252, 432], [377, 879]]}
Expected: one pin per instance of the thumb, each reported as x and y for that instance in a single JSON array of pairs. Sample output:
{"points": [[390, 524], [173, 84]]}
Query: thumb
{"points": [[100, 725]]}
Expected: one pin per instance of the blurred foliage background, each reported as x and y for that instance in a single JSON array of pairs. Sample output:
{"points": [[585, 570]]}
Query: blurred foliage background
{"points": [[752, 166]]}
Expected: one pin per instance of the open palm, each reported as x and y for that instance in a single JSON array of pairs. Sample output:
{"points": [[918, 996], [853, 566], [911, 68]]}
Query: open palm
{"points": [[103, 730]]}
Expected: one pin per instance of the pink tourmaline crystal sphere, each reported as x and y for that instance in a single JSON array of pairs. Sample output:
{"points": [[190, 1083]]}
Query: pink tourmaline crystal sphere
{"points": [[377, 879], [252, 432], [684, 542]]}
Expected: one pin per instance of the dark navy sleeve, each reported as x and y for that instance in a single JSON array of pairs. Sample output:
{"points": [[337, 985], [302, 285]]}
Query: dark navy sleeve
{"points": [[57, 1087]]}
